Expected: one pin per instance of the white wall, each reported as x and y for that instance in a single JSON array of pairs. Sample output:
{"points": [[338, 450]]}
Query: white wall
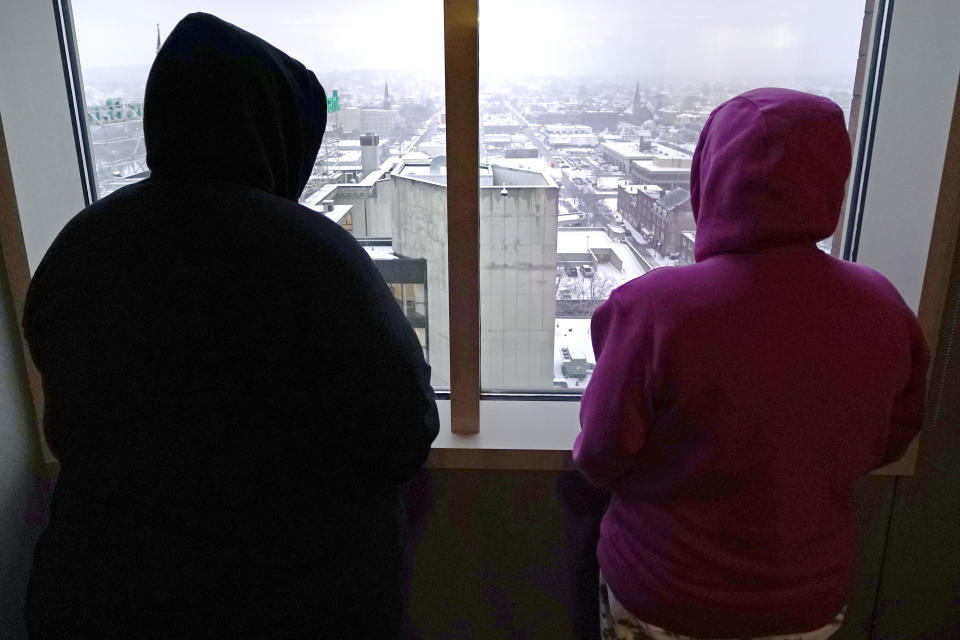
{"points": [[43, 160], [379, 209], [36, 116], [420, 231], [518, 268], [919, 86], [518, 246]]}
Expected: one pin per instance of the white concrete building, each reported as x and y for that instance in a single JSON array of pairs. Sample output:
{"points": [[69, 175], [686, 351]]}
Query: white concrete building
{"points": [[379, 121], [518, 247], [571, 135]]}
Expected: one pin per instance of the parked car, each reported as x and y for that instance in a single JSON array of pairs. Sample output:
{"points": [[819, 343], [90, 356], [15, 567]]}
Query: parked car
{"points": [[587, 271], [572, 272]]}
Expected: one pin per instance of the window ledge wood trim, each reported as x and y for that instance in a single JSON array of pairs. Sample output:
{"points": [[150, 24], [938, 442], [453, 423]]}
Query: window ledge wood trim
{"points": [[539, 436], [501, 459], [462, 77]]}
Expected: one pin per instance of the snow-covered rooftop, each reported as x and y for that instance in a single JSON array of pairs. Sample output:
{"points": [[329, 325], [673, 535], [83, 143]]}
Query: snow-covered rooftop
{"points": [[538, 164], [336, 213], [663, 151], [626, 150], [652, 190], [608, 183], [380, 252], [675, 197], [664, 165], [573, 240], [574, 334]]}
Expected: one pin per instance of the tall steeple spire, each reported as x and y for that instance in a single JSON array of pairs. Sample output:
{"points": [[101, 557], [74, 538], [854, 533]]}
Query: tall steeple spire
{"points": [[636, 104], [158, 38], [387, 102]]}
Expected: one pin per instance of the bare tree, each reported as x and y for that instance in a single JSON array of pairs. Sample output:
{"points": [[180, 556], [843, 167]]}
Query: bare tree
{"points": [[590, 201], [591, 292]]}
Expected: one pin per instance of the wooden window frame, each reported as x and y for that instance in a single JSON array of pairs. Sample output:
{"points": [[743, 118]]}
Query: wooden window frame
{"points": [[462, 77]]}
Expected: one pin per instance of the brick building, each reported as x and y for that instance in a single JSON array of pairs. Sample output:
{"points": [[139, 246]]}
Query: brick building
{"points": [[661, 216]]}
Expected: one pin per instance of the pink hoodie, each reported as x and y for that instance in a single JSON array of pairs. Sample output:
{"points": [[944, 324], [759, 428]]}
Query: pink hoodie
{"points": [[736, 401]]}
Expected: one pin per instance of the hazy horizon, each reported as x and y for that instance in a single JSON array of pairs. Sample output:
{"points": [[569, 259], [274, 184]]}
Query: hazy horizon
{"points": [[687, 41]]}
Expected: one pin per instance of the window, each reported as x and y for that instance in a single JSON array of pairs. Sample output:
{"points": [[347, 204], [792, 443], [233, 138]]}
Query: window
{"points": [[907, 53], [588, 125], [407, 281], [381, 168]]}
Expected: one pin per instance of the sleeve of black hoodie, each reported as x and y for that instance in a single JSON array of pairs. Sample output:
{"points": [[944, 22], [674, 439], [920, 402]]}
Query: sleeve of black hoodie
{"points": [[378, 407]]}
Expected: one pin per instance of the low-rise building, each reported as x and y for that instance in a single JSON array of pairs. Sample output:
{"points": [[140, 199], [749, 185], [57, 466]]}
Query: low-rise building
{"points": [[667, 167], [622, 154], [407, 280], [570, 135], [382, 122], [661, 216], [340, 214]]}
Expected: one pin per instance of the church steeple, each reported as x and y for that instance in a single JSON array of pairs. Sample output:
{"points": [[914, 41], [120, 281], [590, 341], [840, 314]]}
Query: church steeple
{"points": [[637, 105], [387, 102]]}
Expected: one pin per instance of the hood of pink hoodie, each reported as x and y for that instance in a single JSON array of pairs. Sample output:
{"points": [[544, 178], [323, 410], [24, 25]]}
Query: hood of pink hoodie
{"points": [[769, 171]]}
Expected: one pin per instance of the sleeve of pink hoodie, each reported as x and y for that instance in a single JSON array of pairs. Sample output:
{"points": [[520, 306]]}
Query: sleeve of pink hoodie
{"points": [[614, 412], [907, 416]]}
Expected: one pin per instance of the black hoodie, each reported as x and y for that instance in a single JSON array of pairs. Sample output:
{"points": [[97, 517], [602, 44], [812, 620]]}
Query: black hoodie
{"points": [[232, 391]]}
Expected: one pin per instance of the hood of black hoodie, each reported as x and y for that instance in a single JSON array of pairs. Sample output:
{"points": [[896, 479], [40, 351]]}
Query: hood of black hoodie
{"points": [[769, 171], [222, 103]]}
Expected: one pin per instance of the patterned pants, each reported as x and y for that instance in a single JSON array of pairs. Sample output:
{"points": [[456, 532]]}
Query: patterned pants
{"points": [[616, 623]]}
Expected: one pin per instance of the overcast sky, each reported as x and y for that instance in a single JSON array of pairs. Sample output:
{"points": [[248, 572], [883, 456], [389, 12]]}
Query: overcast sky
{"points": [[680, 39]]}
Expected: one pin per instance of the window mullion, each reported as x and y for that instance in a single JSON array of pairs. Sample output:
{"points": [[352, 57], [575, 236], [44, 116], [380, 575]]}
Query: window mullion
{"points": [[461, 55]]}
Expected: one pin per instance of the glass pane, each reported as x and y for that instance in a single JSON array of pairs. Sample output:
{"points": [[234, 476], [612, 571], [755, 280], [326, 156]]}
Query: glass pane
{"points": [[588, 122], [381, 169]]}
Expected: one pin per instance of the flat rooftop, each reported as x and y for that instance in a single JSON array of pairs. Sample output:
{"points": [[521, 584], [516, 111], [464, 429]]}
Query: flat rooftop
{"points": [[491, 175], [573, 240], [380, 252], [626, 150], [663, 166], [663, 151]]}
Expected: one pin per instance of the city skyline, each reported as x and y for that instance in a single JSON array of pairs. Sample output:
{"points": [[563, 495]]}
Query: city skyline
{"points": [[691, 41]]}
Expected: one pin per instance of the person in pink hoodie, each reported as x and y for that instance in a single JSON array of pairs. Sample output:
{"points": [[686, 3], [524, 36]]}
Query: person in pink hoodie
{"points": [[736, 401]]}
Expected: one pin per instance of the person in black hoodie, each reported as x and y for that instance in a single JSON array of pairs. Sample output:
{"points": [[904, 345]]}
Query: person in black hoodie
{"points": [[233, 394]]}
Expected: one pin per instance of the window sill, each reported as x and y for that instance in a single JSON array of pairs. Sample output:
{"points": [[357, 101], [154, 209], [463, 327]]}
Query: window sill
{"points": [[518, 435], [537, 435]]}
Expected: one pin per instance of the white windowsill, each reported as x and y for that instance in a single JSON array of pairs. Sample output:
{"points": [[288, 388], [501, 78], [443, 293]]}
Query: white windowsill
{"points": [[514, 434], [537, 435], [515, 424]]}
